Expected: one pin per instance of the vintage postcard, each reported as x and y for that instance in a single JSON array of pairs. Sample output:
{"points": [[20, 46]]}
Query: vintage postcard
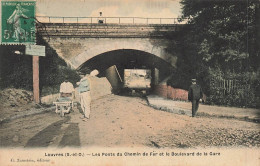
{"points": [[129, 82]]}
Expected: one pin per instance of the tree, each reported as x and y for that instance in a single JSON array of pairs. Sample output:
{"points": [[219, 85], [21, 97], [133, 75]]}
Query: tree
{"points": [[223, 31], [220, 39]]}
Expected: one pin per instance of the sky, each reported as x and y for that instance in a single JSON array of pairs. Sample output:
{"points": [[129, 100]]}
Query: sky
{"points": [[109, 8]]}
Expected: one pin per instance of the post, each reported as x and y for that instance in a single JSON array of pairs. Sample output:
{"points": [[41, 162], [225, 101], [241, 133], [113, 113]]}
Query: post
{"points": [[36, 93]]}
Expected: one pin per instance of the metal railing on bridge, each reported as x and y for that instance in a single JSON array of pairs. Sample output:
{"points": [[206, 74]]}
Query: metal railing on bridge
{"points": [[111, 20]]}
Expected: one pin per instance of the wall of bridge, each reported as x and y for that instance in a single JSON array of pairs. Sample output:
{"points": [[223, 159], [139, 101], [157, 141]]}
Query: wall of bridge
{"points": [[76, 51], [77, 43]]}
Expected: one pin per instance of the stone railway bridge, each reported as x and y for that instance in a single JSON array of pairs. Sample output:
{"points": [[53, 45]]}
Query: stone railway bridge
{"points": [[100, 46]]}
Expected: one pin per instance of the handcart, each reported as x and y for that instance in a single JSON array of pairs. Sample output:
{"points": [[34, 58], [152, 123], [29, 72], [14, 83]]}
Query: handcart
{"points": [[64, 105]]}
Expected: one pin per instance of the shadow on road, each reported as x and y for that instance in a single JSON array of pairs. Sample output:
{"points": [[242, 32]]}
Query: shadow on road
{"points": [[47, 135], [71, 136]]}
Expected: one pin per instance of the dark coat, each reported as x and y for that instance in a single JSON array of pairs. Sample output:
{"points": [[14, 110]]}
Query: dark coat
{"points": [[195, 92]]}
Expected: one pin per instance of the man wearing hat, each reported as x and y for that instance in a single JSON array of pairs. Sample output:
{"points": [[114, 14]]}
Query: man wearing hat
{"points": [[84, 92], [194, 95]]}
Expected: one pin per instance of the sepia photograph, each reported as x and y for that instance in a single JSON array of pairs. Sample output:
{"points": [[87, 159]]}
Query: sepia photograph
{"points": [[129, 82]]}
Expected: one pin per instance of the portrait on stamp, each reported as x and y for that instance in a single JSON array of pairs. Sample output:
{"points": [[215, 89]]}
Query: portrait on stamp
{"points": [[18, 25]]}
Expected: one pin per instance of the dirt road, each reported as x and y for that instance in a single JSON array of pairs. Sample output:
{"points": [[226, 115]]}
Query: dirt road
{"points": [[127, 121]]}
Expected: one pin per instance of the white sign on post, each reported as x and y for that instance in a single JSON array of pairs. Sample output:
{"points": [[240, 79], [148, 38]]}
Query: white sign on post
{"points": [[35, 50]]}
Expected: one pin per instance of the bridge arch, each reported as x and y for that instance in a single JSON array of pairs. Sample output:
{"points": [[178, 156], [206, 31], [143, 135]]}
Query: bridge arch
{"points": [[128, 59], [108, 46]]}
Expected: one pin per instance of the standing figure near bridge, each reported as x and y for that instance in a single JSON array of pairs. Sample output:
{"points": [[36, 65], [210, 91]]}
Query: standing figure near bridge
{"points": [[194, 95], [100, 18], [85, 98], [67, 89]]}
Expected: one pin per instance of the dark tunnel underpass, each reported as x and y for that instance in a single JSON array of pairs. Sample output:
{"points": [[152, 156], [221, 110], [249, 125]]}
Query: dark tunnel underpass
{"points": [[127, 59]]}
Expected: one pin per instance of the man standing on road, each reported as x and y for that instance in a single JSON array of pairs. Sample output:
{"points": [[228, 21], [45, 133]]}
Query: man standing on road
{"points": [[194, 95], [67, 93], [84, 91], [66, 89], [85, 98]]}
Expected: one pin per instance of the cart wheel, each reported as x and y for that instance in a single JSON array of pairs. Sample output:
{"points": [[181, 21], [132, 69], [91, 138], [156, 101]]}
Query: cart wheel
{"points": [[62, 114]]}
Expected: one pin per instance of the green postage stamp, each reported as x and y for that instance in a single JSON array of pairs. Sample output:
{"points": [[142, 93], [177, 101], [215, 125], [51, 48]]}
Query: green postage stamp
{"points": [[18, 22]]}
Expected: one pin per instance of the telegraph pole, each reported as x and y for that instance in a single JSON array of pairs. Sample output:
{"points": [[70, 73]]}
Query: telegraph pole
{"points": [[36, 91], [35, 51]]}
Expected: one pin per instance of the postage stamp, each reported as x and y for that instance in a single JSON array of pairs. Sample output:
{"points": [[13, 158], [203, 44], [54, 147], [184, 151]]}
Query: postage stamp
{"points": [[18, 22]]}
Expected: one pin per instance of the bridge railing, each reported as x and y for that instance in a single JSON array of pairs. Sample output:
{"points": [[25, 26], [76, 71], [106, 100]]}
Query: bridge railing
{"points": [[111, 20]]}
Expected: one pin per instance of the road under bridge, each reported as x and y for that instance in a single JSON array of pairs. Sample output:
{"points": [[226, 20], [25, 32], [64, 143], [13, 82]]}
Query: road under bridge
{"points": [[88, 46]]}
